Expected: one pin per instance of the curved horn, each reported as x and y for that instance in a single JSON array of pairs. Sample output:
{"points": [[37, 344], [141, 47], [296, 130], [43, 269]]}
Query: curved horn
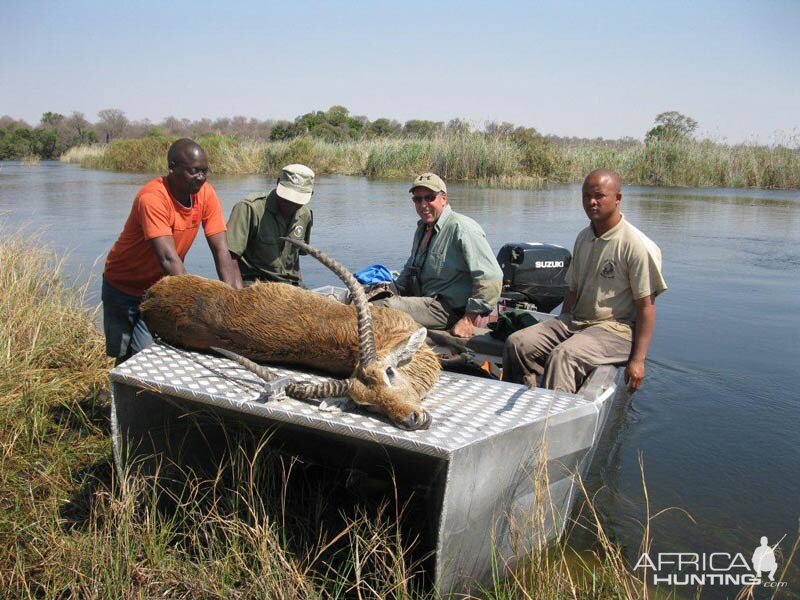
{"points": [[366, 338], [248, 364], [333, 388]]}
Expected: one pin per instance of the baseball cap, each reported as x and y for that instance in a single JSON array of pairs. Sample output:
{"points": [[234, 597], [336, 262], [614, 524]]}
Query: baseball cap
{"points": [[296, 184], [431, 181]]}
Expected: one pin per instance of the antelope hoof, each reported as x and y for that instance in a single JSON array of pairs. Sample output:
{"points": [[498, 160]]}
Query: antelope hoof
{"points": [[416, 420]]}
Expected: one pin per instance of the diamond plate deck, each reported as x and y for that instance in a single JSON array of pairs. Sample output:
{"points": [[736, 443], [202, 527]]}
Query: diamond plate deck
{"points": [[465, 409], [473, 469]]}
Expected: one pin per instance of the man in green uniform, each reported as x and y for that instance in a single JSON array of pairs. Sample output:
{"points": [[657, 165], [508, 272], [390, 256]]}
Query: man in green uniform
{"points": [[258, 223], [452, 279]]}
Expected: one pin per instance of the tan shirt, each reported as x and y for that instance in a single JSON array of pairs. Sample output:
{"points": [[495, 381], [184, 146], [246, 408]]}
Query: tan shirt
{"points": [[609, 273]]}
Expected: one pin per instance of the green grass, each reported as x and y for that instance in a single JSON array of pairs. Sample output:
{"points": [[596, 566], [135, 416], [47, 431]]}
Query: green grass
{"points": [[473, 157]]}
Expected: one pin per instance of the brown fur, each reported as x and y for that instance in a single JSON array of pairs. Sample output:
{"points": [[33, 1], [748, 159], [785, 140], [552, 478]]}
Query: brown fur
{"points": [[279, 323]]}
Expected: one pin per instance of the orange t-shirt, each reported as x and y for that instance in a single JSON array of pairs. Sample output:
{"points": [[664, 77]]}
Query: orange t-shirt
{"points": [[132, 265]]}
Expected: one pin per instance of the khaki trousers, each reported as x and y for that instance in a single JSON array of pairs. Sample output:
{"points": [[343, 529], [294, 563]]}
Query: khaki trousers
{"points": [[428, 312], [565, 357]]}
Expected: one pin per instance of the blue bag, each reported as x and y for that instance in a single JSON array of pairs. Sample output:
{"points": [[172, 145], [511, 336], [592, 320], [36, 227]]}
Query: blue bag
{"points": [[374, 274]]}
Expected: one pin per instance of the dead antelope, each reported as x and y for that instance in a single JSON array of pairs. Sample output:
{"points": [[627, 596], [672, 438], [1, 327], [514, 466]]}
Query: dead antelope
{"points": [[381, 351]]}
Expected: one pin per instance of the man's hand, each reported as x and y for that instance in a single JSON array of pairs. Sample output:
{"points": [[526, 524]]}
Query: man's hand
{"points": [[227, 266], [634, 374], [465, 326], [642, 334]]}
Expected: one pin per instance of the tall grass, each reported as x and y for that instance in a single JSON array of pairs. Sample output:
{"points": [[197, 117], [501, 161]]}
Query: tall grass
{"points": [[471, 156], [52, 373], [83, 154], [691, 163], [455, 156], [342, 158]]}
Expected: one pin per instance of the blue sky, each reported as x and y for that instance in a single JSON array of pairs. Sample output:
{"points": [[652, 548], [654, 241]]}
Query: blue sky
{"points": [[568, 68]]}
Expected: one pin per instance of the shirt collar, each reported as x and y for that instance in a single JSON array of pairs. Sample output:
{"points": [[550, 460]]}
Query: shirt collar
{"points": [[613, 232], [440, 222], [193, 198]]}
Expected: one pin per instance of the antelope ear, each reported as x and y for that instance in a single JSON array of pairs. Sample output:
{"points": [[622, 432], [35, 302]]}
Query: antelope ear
{"points": [[403, 353]]}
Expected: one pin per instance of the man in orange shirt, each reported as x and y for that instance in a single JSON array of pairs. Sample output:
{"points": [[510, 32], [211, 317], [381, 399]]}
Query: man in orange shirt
{"points": [[163, 222]]}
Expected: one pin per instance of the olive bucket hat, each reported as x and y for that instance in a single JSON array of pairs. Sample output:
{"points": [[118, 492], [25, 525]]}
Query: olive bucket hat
{"points": [[296, 184]]}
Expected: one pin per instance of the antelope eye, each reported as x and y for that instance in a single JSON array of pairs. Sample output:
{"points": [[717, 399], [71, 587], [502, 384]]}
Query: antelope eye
{"points": [[391, 373]]}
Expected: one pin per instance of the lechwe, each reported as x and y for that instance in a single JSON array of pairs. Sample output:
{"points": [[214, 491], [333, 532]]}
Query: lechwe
{"points": [[381, 351]]}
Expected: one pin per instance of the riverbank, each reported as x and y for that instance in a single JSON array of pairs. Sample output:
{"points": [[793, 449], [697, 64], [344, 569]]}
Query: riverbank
{"points": [[495, 161], [69, 528]]}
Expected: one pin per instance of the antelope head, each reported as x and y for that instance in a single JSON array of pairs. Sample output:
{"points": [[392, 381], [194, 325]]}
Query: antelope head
{"points": [[377, 383], [381, 386]]}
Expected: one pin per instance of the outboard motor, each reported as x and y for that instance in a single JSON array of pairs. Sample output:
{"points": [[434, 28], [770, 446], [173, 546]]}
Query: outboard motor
{"points": [[534, 275]]}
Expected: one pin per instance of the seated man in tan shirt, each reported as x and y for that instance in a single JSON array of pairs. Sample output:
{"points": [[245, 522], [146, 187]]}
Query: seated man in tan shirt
{"points": [[609, 313]]}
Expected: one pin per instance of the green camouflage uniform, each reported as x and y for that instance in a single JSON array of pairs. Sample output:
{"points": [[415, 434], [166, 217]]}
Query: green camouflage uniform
{"points": [[254, 231]]}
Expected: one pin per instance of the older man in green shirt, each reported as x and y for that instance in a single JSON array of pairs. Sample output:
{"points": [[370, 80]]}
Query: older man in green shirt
{"points": [[452, 279], [258, 223]]}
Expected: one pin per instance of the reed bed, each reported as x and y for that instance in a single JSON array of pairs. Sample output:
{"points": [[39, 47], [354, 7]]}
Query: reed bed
{"points": [[339, 158], [692, 164], [81, 155], [470, 156]]}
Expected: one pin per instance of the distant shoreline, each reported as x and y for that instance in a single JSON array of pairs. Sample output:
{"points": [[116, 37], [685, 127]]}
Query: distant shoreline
{"points": [[473, 157]]}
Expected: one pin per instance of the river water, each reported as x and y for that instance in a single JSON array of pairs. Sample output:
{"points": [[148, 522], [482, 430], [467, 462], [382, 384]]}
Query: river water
{"points": [[717, 423]]}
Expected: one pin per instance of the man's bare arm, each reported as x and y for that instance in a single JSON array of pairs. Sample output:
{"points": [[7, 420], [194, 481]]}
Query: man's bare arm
{"points": [[642, 334], [227, 267], [167, 255]]}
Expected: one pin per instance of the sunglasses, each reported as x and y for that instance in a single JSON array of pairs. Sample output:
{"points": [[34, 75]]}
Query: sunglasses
{"points": [[427, 197]]}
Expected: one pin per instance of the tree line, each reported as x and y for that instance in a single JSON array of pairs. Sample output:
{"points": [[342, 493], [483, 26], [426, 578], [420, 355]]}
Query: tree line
{"points": [[55, 132]]}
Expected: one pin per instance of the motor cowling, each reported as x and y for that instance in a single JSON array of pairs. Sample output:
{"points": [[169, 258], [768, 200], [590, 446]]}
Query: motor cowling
{"points": [[534, 273]]}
